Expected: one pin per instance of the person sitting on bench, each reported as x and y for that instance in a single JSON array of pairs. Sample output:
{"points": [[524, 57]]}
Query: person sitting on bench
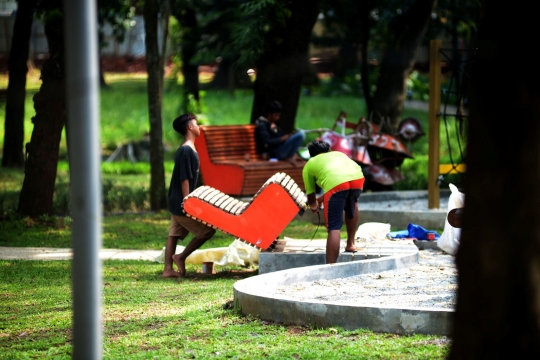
{"points": [[271, 142]]}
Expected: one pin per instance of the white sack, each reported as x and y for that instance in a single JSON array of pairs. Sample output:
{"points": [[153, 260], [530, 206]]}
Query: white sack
{"points": [[372, 231], [449, 240]]}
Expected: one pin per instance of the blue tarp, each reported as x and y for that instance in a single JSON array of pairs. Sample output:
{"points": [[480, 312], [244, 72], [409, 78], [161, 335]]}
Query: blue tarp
{"points": [[413, 231]]}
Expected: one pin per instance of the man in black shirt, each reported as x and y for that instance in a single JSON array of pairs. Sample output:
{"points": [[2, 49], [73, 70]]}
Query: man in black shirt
{"points": [[183, 181]]}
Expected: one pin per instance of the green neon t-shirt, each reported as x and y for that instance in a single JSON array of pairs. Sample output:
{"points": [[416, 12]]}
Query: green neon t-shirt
{"points": [[329, 170]]}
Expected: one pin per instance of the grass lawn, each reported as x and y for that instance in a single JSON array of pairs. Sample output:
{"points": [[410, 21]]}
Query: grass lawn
{"points": [[147, 317]]}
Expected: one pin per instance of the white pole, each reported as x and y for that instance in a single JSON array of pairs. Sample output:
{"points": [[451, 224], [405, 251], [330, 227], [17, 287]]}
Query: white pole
{"points": [[82, 82]]}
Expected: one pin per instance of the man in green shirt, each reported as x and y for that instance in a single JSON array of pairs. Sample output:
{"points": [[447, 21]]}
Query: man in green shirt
{"points": [[342, 181]]}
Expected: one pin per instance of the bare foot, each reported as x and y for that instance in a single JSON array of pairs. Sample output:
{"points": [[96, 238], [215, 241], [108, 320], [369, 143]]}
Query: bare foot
{"points": [[351, 249], [180, 264], [170, 274]]}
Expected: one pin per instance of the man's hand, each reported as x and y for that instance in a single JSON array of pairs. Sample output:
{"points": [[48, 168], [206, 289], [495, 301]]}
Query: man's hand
{"points": [[285, 137], [315, 209]]}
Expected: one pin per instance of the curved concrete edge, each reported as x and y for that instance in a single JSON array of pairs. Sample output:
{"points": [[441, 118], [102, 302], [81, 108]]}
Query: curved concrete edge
{"points": [[252, 297], [432, 219]]}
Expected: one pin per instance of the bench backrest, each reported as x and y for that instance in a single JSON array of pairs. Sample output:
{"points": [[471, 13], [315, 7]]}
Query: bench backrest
{"points": [[230, 142]]}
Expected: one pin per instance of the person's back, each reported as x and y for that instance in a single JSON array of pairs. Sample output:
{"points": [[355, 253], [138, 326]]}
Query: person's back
{"points": [[342, 181]]}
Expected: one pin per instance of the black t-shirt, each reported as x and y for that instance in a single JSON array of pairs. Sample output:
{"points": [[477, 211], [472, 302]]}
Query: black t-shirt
{"points": [[186, 166], [268, 137]]}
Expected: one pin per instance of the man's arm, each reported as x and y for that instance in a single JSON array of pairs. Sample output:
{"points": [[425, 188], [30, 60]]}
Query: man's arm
{"points": [[265, 136], [185, 188], [312, 202]]}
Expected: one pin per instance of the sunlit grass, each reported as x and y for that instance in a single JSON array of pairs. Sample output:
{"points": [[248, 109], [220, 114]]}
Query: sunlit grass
{"points": [[141, 230]]}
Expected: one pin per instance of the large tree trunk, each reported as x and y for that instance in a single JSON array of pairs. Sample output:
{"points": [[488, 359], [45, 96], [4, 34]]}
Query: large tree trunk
{"points": [[280, 72], [42, 152], [154, 65], [364, 62], [187, 18], [16, 92], [398, 60], [498, 301], [230, 77]]}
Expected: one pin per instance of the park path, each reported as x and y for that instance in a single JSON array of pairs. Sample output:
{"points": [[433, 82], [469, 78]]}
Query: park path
{"points": [[42, 253]]}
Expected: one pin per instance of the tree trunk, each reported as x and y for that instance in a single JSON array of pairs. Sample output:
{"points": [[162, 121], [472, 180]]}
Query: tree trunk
{"points": [[498, 261], [280, 71], [398, 60], [347, 61], [42, 152], [229, 77], [16, 92], [364, 62], [187, 18], [154, 63]]}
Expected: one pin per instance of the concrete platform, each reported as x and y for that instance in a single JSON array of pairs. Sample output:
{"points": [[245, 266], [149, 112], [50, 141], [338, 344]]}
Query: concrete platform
{"points": [[252, 295], [291, 253]]}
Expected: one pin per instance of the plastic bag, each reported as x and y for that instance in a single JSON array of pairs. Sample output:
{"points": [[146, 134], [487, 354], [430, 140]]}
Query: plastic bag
{"points": [[418, 232], [198, 256], [240, 253], [372, 231], [449, 240]]}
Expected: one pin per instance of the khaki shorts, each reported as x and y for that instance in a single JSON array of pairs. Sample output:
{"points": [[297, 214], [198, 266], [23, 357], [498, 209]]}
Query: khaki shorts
{"points": [[181, 226]]}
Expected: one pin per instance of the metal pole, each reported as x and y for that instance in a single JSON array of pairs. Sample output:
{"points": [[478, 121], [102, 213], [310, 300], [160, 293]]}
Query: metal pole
{"points": [[434, 123], [82, 81]]}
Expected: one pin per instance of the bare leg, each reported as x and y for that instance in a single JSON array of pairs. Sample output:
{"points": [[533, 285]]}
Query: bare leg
{"points": [[195, 243], [352, 227], [332, 246], [170, 248]]}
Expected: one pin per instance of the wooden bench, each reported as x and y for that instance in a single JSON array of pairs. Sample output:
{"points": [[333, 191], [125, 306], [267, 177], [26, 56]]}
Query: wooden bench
{"points": [[230, 162]]}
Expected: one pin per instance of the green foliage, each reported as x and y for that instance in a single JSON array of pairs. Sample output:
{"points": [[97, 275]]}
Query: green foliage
{"points": [[259, 18], [415, 173], [117, 197], [118, 14], [418, 86]]}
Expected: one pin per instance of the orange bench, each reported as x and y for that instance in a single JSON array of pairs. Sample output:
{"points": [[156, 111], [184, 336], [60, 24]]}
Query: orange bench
{"points": [[230, 162]]}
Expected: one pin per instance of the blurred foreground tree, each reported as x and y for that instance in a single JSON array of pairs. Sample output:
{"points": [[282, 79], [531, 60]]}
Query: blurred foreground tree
{"points": [[498, 299], [49, 102], [12, 155]]}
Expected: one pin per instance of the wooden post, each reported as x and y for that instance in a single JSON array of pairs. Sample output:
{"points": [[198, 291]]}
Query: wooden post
{"points": [[434, 123]]}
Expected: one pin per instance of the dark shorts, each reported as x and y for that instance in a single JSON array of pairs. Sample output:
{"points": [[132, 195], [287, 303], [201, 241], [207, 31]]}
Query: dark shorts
{"points": [[343, 197], [181, 226]]}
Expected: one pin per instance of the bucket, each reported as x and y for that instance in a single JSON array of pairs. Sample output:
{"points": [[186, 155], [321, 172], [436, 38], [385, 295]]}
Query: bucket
{"points": [[208, 267]]}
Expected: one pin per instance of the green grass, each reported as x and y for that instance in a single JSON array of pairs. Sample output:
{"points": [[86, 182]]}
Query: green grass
{"points": [[141, 231], [147, 317]]}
